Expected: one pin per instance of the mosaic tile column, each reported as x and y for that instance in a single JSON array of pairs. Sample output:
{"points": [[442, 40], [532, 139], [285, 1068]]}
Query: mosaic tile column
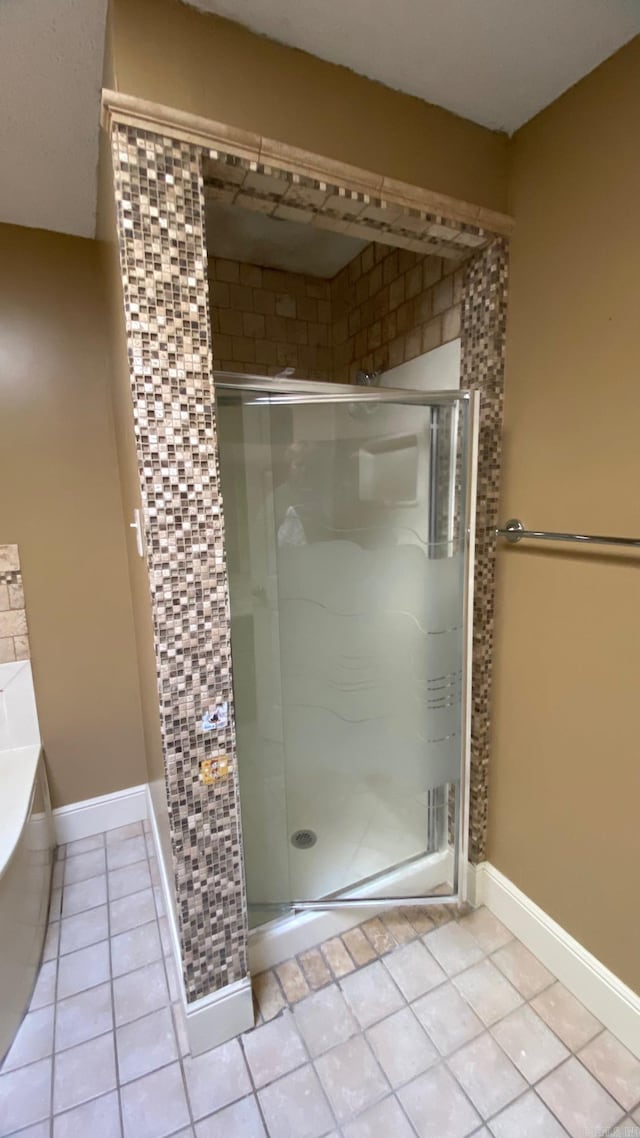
{"points": [[159, 195], [483, 333]]}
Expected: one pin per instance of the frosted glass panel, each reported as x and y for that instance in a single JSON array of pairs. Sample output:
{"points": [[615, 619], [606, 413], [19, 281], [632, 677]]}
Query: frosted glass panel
{"points": [[345, 532]]}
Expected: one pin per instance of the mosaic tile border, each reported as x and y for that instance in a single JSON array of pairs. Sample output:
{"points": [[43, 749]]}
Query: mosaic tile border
{"points": [[158, 186], [160, 211], [483, 338], [285, 195]]}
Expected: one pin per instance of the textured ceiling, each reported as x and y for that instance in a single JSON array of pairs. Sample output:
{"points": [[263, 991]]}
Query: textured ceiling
{"points": [[51, 73], [496, 62]]}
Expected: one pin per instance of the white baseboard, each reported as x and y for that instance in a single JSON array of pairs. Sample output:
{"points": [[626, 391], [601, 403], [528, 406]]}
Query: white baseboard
{"points": [[606, 996], [83, 819], [221, 1015], [224, 1014]]}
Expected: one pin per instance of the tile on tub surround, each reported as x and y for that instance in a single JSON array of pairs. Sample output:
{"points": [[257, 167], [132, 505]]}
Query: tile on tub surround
{"points": [[14, 637]]}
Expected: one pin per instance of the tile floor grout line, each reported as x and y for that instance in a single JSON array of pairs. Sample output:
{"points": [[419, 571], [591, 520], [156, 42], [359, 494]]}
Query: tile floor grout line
{"points": [[309, 1062], [253, 1084], [113, 1002], [114, 1029], [382, 956], [391, 1090], [573, 1054], [107, 871], [103, 939], [165, 971], [388, 1089], [529, 1089], [55, 1009], [183, 1076], [449, 978], [487, 1030], [337, 984]]}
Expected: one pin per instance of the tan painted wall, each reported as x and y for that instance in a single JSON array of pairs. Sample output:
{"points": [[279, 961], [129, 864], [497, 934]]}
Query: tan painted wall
{"points": [[565, 776], [170, 53], [60, 502]]}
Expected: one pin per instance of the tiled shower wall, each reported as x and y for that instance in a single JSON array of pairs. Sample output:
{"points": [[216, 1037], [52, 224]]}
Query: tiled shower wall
{"points": [[385, 307], [391, 305], [14, 641], [160, 205], [265, 320]]}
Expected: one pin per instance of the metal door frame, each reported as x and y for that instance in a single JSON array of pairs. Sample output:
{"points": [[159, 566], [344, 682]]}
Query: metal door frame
{"points": [[279, 390]]}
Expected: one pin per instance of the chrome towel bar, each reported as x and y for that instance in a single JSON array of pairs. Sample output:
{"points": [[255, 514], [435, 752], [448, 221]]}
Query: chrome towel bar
{"points": [[515, 531]]}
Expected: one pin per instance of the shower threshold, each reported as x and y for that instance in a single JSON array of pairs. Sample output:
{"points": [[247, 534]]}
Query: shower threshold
{"points": [[288, 935]]}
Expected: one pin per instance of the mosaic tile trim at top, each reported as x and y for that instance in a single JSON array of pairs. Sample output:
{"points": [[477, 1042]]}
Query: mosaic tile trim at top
{"points": [[288, 196], [162, 250], [160, 197]]}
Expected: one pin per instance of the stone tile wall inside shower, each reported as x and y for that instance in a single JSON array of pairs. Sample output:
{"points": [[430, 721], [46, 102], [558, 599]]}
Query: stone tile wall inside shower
{"points": [[265, 320], [385, 307], [389, 306]]}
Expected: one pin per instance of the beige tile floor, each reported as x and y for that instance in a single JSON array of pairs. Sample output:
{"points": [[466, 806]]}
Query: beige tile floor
{"points": [[426, 1027]]}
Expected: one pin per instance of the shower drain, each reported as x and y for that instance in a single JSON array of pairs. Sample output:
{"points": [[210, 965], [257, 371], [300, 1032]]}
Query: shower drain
{"points": [[304, 839]]}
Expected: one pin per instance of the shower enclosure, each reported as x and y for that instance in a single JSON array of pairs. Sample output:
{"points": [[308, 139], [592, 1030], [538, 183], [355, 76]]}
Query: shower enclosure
{"points": [[349, 526]]}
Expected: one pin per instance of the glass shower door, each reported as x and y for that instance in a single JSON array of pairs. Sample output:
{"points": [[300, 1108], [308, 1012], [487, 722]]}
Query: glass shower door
{"points": [[348, 522]]}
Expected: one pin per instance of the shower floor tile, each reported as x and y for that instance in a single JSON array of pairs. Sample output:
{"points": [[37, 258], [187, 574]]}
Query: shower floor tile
{"points": [[430, 1022]]}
